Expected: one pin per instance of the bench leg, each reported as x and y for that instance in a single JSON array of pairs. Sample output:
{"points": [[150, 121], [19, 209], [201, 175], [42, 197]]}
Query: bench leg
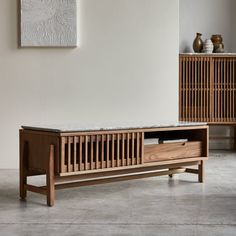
{"points": [[23, 170], [50, 178], [201, 174]]}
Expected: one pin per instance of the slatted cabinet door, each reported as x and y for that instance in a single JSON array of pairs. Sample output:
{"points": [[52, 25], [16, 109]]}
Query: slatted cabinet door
{"points": [[195, 74], [207, 88], [224, 89], [100, 151]]}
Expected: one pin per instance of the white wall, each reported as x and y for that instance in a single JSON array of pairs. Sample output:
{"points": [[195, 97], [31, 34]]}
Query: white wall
{"points": [[126, 70], [207, 17], [233, 22]]}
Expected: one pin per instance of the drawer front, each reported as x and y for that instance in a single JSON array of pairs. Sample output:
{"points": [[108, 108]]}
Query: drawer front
{"points": [[170, 151]]}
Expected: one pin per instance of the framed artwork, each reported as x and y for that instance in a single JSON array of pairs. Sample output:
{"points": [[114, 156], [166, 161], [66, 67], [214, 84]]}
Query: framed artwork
{"points": [[48, 23]]}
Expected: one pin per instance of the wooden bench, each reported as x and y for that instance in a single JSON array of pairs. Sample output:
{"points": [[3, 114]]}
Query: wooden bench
{"points": [[78, 157]]}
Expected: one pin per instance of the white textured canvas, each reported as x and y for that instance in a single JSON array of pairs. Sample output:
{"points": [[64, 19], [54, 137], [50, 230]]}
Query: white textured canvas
{"points": [[48, 23]]}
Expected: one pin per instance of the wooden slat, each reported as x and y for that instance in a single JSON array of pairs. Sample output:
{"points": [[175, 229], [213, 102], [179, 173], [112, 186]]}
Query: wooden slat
{"points": [[113, 150], [123, 149], [80, 151], [132, 152], [198, 89], [137, 149], [234, 87], [201, 97], [86, 152], [195, 89], [211, 89], [222, 90], [127, 147], [224, 87], [207, 90], [69, 154], [62, 162], [189, 88], [230, 90], [97, 152], [218, 89], [220, 81], [180, 90], [142, 148], [91, 152], [204, 89], [118, 150], [102, 151], [217, 103], [183, 89], [107, 151], [226, 91], [75, 168]]}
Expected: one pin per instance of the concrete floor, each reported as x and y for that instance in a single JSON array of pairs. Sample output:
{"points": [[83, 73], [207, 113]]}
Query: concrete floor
{"points": [[151, 206]]}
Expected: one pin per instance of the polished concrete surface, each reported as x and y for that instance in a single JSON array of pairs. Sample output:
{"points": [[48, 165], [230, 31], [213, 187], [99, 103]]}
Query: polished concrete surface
{"points": [[151, 206]]}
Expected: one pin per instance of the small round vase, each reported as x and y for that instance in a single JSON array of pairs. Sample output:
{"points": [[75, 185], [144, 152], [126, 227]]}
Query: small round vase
{"points": [[208, 46], [198, 43], [217, 42]]}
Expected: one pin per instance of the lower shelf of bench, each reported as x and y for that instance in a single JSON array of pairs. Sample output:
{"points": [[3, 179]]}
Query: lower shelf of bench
{"points": [[108, 176], [67, 182]]}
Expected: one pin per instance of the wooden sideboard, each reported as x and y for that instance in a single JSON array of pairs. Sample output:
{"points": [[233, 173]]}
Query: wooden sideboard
{"points": [[101, 156], [207, 88]]}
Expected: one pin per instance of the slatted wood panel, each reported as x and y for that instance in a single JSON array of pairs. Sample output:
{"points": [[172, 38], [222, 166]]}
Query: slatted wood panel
{"points": [[224, 88], [195, 89], [89, 152], [207, 89]]}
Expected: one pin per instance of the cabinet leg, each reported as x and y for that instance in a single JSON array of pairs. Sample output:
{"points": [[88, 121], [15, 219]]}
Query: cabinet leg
{"points": [[50, 178], [171, 175], [234, 147], [201, 174], [23, 168]]}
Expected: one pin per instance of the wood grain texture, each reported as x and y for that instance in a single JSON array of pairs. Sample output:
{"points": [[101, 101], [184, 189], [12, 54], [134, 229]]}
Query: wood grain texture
{"points": [[207, 88], [160, 152]]}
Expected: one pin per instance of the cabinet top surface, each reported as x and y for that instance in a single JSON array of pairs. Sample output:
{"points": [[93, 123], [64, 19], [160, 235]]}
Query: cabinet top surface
{"points": [[60, 128], [209, 54]]}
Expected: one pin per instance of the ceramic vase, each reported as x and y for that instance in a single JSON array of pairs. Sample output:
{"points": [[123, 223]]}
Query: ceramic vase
{"points": [[198, 43], [208, 46], [218, 43]]}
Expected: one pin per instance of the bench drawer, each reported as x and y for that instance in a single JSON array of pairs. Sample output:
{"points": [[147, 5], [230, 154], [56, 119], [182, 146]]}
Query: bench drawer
{"points": [[170, 151]]}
